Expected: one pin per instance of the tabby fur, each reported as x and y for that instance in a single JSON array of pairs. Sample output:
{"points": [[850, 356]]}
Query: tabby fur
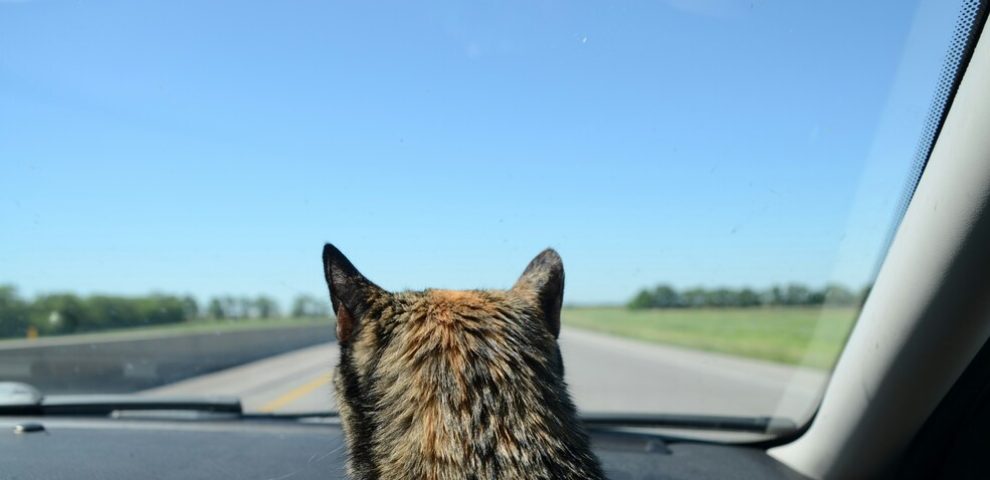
{"points": [[452, 385]]}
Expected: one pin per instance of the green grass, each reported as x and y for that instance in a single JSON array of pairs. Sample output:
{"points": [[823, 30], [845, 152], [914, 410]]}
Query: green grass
{"points": [[807, 336], [192, 327]]}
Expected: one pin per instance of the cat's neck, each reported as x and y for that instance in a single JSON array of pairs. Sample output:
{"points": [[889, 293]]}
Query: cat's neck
{"points": [[443, 423]]}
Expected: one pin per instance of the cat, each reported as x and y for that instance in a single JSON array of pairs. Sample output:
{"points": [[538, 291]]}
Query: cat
{"points": [[445, 385]]}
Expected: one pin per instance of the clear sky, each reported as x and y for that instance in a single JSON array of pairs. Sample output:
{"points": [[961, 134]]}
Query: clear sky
{"points": [[213, 147]]}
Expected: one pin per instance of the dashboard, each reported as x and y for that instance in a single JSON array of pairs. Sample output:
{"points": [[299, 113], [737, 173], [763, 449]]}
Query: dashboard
{"points": [[277, 449]]}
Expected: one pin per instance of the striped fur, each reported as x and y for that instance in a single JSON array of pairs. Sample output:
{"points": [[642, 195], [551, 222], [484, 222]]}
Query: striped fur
{"points": [[445, 385]]}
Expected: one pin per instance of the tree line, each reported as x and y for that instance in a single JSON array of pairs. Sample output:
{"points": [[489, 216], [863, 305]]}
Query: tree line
{"points": [[795, 294], [236, 308], [67, 313]]}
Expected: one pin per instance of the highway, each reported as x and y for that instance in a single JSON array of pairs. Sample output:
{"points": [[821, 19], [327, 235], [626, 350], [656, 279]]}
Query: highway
{"points": [[605, 374]]}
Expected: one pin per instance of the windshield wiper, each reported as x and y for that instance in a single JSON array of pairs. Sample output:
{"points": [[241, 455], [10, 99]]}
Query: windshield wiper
{"points": [[768, 425], [107, 404], [321, 414], [22, 399]]}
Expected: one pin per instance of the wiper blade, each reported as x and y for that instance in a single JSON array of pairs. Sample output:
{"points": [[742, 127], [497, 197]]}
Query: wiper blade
{"points": [[23, 399], [768, 425], [291, 415], [107, 404]]}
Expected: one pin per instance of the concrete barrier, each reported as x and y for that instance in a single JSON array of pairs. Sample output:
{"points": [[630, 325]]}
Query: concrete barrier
{"points": [[118, 363]]}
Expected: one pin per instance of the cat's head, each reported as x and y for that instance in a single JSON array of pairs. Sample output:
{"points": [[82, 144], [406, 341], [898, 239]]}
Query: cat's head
{"points": [[411, 362], [369, 316]]}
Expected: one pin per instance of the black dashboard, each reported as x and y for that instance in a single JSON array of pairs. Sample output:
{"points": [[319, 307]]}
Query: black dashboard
{"points": [[268, 449]]}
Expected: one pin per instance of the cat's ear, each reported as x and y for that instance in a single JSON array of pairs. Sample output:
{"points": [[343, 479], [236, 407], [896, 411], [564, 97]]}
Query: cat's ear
{"points": [[545, 278], [351, 294]]}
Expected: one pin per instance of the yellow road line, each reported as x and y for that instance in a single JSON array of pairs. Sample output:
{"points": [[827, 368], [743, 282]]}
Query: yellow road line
{"points": [[296, 393]]}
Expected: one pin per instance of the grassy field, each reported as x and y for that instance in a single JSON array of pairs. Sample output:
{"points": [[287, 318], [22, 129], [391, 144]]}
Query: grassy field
{"points": [[808, 336]]}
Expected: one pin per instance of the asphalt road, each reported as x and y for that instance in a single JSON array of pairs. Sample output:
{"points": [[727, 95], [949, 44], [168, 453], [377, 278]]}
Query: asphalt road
{"points": [[605, 374]]}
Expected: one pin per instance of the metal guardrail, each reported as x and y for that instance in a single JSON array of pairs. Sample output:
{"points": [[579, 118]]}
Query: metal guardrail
{"points": [[131, 362]]}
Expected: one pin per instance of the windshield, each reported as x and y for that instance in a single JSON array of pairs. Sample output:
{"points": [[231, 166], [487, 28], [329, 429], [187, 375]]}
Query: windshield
{"points": [[721, 179]]}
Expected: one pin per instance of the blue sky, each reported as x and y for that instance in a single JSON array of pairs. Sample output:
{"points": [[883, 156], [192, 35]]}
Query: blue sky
{"points": [[213, 147]]}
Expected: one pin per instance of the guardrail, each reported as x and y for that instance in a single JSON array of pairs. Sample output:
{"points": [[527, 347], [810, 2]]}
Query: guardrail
{"points": [[117, 363]]}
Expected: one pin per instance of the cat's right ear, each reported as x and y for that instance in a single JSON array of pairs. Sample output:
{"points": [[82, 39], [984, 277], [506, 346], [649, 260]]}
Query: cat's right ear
{"points": [[544, 277], [351, 294]]}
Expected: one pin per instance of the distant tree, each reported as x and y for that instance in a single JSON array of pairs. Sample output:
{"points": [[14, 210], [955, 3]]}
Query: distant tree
{"points": [[66, 313], [266, 307], [298, 309], [777, 296], [104, 311], [190, 307], [723, 297], [815, 297], [14, 313], [747, 297], [215, 309], [839, 295], [245, 307], [160, 309], [664, 296], [59, 314], [643, 300], [230, 307], [796, 294], [694, 297], [305, 306]]}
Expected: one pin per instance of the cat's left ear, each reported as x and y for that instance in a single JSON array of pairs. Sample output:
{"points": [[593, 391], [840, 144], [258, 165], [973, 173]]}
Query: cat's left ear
{"points": [[351, 294], [545, 277]]}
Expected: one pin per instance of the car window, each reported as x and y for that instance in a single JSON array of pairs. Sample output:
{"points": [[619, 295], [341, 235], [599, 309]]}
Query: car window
{"points": [[721, 178]]}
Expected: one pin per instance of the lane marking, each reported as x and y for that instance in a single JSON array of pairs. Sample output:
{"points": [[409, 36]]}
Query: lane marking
{"points": [[296, 393]]}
